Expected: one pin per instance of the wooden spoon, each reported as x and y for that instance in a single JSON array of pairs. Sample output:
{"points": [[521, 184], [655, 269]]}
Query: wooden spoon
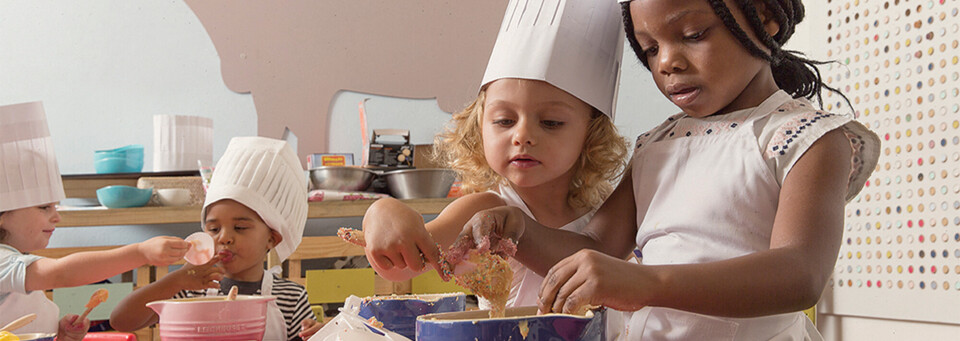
{"points": [[233, 293], [20, 322]]}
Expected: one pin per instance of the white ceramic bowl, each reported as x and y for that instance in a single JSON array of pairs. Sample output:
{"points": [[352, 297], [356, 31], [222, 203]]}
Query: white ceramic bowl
{"points": [[173, 196]]}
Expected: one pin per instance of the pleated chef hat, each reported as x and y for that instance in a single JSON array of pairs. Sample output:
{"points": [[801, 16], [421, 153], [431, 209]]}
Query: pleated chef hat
{"points": [[575, 45], [265, 175], [29, 175]]}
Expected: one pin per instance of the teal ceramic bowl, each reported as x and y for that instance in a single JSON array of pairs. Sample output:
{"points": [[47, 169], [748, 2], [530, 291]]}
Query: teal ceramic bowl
{"points": [[123, 196], [109, 165], [126, 159]]}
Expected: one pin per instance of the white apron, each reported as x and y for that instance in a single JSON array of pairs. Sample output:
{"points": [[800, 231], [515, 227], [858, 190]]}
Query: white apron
{"points": [[276, 329], [701, 199], [526, 283], [16, 305]]}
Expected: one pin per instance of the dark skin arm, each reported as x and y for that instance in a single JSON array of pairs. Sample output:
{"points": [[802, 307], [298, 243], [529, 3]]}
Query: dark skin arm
{"points": [[790, 276], [612, 230]]}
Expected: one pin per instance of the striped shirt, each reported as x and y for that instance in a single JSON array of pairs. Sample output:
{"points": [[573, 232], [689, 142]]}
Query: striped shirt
{"points": [[291, 299]]}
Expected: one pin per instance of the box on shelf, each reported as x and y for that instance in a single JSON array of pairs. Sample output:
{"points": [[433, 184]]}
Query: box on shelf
{"points": [[395, 154], [329, 159]]}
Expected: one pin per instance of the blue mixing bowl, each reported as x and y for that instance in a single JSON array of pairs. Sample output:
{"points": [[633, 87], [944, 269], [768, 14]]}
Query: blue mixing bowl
{"points": [[123, 196], [521, 323], [399, 312]]}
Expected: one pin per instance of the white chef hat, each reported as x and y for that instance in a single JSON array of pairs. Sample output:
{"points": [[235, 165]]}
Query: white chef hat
{"points": [[29, 175], [265, 175], [575, 45]]}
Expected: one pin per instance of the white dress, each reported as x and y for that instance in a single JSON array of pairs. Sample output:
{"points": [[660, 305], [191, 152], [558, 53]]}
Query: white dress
{"points": [[15, 301], [708, 189]]}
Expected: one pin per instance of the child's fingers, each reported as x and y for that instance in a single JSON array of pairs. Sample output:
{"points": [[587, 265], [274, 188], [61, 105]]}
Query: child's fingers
{"points": [[309, 327], [382, 261], [413, 258], [555, 279], [431, 254], [179, 244], [213, 261]]}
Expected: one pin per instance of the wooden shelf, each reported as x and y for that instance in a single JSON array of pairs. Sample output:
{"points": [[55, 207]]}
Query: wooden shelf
{"points": [[191, 214]]}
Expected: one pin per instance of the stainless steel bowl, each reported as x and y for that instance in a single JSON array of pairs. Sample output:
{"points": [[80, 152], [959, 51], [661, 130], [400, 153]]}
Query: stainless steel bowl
{"points": [[420, 183], [341, 178]]}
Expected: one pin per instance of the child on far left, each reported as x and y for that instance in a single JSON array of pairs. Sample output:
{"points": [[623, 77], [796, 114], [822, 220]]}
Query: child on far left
{"points": [[30, 189]]}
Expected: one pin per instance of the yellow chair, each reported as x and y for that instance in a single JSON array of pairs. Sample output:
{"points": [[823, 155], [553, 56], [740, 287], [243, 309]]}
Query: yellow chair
{"points": [[430, 283], [335, 285]]}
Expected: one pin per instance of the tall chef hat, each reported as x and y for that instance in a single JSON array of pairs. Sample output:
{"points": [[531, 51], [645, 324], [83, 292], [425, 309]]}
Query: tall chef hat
{"points": [[575, 45], [265, 175], [29, 175]]}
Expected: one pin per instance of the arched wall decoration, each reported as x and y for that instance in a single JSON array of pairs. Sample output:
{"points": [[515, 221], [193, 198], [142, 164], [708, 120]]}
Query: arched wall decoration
{"points": [[293, 57]]}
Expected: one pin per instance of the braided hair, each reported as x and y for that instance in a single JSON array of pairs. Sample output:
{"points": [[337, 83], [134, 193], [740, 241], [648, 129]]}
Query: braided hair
{"points": [[793, 73]]}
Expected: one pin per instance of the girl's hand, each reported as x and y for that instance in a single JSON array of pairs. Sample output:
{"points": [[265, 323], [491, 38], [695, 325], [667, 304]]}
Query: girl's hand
{"points": [[590, 278], [199, 277], [397, 238], [67, 331], [497, 229], [163, 250], [308, 327]]}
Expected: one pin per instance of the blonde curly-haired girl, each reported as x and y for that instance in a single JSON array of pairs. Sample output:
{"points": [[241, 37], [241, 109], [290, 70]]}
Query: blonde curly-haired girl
{"points": [[539, 136]]}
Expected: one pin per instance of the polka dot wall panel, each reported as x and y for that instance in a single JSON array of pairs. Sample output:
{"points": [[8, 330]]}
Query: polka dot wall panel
{"points": [[898, 65]]}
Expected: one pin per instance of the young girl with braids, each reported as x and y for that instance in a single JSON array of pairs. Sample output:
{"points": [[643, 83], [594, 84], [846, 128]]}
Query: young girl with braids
{"points": [[736, 203]]}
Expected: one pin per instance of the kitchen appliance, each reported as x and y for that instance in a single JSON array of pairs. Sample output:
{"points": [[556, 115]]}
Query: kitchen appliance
{"points": [[390, 154]]}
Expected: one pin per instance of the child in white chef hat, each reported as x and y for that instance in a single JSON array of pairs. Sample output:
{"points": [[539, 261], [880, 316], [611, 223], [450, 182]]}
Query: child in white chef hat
{"points": [[30, 188], [539, 136], [257, 201]]}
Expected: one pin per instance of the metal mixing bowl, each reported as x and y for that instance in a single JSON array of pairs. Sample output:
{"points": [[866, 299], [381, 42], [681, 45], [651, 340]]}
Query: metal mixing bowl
{"points": [[341, 178], [420, 183]]}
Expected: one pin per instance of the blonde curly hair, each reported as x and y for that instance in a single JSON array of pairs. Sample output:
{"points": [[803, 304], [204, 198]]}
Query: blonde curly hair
{"points": [[603, 158]]}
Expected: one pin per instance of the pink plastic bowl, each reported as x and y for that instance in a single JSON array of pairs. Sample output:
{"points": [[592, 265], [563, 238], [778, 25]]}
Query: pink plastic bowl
{"points": [[212, 318]]}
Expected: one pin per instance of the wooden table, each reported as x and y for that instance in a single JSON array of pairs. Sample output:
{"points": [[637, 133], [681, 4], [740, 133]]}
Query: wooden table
{"points": [[191, 214]]}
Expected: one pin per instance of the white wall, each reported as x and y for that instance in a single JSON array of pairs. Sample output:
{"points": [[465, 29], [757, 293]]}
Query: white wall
{"points": [[104, 68]]}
